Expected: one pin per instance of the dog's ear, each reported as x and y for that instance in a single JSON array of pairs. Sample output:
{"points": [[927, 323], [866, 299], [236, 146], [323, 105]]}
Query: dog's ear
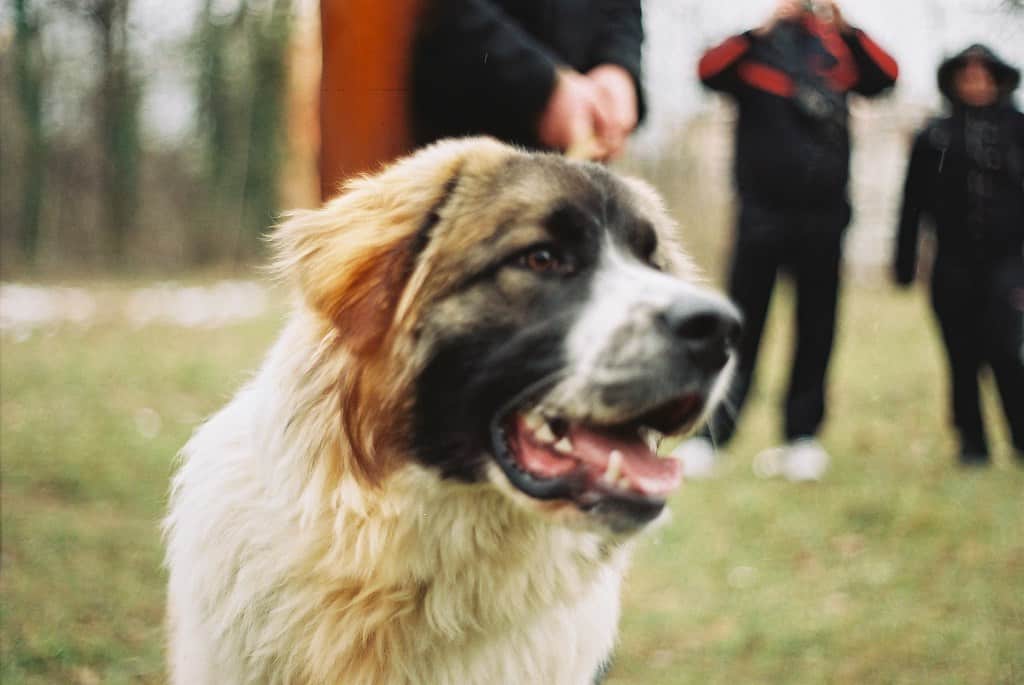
{"points": [[352, 257], [673, 257]]}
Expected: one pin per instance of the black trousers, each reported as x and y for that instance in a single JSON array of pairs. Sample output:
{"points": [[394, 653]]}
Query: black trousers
{"points": [[808, 245], [980, 310]]}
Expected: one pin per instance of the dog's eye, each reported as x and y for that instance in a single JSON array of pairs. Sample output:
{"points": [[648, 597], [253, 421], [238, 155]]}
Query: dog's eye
{"points": [[541, 260], [544, 260]]}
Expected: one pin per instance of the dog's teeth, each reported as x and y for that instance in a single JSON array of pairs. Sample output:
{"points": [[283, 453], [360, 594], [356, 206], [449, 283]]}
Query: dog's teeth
{"points": [[564, 446], [544, 434], [611, 474], [534, 421], [651, 438], [623, 483]]}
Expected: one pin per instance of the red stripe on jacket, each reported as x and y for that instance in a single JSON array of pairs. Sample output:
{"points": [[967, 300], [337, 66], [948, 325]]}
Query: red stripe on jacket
{"points": [[880, 57], [843, 75], [766, 78], [718, 59]]}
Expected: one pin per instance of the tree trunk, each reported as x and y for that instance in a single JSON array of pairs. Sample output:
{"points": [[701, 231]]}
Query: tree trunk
{"points": [[118, 123], [29, 74], [268, 82], [364, 119]]}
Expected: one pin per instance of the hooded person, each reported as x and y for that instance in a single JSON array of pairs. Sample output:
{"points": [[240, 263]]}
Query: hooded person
{"points": [[966, 180]]}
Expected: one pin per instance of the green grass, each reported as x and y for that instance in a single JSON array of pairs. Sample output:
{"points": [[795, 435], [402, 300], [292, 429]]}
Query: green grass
{"points": [[899, 568], [91, 422]]}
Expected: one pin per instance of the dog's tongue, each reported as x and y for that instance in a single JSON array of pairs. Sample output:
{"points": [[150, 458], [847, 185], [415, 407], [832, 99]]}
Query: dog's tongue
{"points": [[639, 469], [644, 471]]}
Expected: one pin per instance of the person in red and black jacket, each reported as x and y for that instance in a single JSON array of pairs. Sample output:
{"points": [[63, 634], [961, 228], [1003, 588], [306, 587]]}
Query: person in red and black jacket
{"points": [[790, 79], [966, 177]]}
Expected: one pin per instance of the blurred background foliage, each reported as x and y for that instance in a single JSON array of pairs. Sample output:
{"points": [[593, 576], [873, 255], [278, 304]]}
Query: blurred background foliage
{"points": [[152, 138], [86, 185], [157, 137]]}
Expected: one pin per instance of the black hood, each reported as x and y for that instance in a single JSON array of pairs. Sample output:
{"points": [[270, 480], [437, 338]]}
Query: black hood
{"points": [[1007, 77]]}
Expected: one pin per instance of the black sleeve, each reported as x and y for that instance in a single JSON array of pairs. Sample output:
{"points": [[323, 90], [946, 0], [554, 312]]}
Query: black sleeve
{"points": [[476, 70], [877, 70], [619, 40], [916, 201], [1015, 159], [718, 66]]}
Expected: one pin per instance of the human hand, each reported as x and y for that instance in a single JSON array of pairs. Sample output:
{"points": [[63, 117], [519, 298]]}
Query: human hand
{"points": [[573, 116], [785, 10], [832, 14], [617, 100]]}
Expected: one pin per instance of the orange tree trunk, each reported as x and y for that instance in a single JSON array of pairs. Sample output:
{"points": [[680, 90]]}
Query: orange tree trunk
{"points": [[364, 119]]}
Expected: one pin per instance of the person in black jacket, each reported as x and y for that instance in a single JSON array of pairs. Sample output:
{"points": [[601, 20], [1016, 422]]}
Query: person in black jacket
{"points": [[550, 74], [790, 79], [966, 177]]}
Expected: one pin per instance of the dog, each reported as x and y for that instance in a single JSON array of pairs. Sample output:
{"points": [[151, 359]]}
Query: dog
{"points": [[438, 471]]}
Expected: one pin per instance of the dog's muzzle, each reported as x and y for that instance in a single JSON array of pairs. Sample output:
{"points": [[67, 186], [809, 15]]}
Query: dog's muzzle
{"points": [[594, 441]]}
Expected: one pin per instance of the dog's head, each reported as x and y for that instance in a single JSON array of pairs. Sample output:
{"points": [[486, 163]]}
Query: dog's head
{"points": [[516, 320]]}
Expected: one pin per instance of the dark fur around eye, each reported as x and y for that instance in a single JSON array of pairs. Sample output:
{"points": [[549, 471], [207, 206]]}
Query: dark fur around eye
{"points": [[645, 242], [544, 259]]}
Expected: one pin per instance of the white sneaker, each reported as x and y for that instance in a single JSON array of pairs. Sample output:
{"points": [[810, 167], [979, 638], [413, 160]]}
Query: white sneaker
{"points": [[806, 460], [800, 461], [699, 458]]}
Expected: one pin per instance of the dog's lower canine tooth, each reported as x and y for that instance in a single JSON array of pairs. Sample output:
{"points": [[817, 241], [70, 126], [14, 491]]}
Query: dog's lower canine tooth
{"points": [[544, 434], [611, 474], [564, 446], [534, 421], [651, 438]]}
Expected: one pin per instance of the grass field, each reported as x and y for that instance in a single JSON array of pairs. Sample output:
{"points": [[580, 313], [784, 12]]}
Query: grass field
{"points": [[898, 568]]}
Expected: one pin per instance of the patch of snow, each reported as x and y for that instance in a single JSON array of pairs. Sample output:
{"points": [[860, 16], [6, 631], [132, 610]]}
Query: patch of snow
{"points": [[28, 308]]}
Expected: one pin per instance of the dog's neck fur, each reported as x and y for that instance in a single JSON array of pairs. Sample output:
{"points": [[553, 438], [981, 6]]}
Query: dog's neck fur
{"points": [[412, 566]]}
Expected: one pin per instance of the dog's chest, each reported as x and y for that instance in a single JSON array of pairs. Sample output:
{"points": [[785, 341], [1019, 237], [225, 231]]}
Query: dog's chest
{"points": [[565, 640]]}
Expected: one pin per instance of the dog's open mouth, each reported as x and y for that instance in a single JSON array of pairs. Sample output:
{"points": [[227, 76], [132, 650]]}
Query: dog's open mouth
{"points": [[551, 457]]}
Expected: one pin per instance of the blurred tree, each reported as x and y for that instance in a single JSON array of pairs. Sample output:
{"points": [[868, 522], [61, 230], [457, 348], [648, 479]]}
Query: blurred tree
{"points": [[268, 73], [241, 84], [218, 130], [214, 106], [118, 101], [30, 77]]}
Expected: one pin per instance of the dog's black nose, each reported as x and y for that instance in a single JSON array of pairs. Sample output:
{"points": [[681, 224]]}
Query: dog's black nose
{"points": [[707, 327]]}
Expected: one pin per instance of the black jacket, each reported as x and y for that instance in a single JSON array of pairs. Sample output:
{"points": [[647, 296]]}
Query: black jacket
{"points": [[488, 66], [792, 146], [966, 177]]}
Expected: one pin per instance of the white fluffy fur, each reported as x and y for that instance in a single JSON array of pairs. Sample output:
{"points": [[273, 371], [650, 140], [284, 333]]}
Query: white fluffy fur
{"points": [[276, 579], [289, 565]]}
